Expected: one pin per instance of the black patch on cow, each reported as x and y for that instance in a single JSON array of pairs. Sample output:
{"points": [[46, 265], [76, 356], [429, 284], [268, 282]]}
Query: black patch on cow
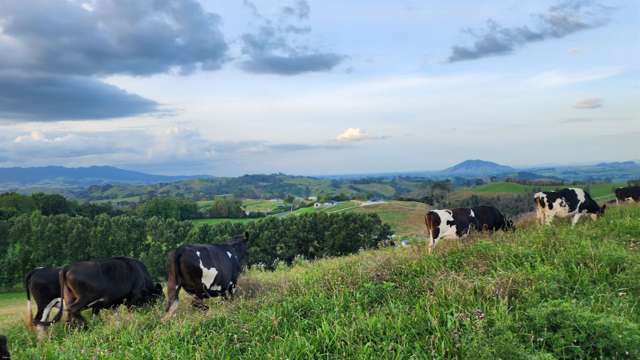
{"points": [[633, 192], [464, 221], [490, 219], [4, 349]]}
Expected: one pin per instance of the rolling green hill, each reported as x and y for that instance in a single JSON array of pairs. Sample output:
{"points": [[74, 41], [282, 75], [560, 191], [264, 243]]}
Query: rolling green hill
{"points": [[599, 191], [541, 292]]}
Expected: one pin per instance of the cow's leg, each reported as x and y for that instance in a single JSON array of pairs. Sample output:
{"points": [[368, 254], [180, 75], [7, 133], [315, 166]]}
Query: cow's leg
{"points": [[575, 219], [199, 304], [173, 284], [36, 319]]}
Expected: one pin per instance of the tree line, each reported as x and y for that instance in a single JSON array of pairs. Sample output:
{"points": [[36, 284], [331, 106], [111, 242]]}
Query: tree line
{"points": [[32, 239], [14, 204]]}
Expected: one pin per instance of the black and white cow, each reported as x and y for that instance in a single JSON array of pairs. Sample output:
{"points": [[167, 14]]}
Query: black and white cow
{"points": [[205, 271], [106, 284], [564, 203], [449, 224], [44, 286], [629, 193], [491, 219], [4, 349]]}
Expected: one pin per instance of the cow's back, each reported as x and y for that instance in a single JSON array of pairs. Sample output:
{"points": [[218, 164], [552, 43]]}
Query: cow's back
{"points": [[489, 218]]}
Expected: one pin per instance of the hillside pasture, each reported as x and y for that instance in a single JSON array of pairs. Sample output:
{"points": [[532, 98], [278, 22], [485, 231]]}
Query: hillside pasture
{"points": [[599, 191], [541, 292]]}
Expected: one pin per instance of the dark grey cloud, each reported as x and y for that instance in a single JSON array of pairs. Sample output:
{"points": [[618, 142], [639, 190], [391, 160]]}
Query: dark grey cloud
{"points": [[299, 9], [104, 37], [53, 53], [51, 98], [280, 47], [559, 21]]}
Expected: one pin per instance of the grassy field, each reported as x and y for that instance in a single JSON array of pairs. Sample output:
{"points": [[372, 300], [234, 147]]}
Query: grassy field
{"points": [[199, 222], [601, 191], [540, 292], [11, 306], [406, 218]]}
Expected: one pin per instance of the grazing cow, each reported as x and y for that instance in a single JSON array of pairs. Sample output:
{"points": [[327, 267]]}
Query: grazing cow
{"points": [[44, 286], [106, 284], [629, 193], [491, 219], [205, 271], [449, 224], [565, 203], [4, 350]]}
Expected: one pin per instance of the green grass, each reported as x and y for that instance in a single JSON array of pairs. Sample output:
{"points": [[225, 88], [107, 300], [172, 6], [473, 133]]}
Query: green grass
{"points": [[11, 306], [343, 206], [600, 191], [200, 222], [540, 292]]}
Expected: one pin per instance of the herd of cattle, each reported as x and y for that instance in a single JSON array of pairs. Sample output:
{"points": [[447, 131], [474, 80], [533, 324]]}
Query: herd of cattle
{"points": [[572, 202], [206, 271], [202, 270]]}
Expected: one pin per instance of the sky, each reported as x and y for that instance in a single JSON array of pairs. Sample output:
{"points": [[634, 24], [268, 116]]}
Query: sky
{"points": [[311, 87]]}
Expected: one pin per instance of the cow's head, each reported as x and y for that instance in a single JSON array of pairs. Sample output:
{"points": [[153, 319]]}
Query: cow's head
{"points": [[154, 294], [240, 244], [599, 213], [508, 225]]}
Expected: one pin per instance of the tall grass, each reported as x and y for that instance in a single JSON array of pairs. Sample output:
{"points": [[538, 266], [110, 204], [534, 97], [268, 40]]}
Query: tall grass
{"points": [[541, 292]]}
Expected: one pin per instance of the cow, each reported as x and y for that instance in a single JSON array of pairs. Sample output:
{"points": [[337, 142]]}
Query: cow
{"points": [[565, 203], [491, 219], [449, 224], [4, 350], [43, 285], [205, 271], [629, 193], [106, 284]]}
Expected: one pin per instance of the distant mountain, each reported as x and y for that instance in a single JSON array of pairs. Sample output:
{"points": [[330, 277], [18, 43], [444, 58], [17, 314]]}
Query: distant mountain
{"points": [[82, 176], [478, 168]]}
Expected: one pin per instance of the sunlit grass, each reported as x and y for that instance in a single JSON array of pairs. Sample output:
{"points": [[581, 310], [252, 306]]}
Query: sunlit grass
{"points": [[544, 292]]}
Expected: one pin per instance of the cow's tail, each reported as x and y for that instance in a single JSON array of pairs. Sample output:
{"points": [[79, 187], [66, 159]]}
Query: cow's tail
{"points": [[27, 279], [62, 277], [173, 281], [427, 222]]}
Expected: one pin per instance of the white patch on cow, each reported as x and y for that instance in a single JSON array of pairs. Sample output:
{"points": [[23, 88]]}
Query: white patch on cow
{"points": [[216, 288], [472, 213], [446, 231], [229, 254], [47, 309], [580, 194], [208, 275]]}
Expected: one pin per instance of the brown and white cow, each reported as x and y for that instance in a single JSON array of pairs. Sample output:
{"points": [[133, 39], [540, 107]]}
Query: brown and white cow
{"points": [[449, 224], [570, 202], [629, 193]]}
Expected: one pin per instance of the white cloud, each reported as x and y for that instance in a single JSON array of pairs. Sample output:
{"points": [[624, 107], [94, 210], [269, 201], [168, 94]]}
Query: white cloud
{"points": [[356, 134], [573, 51], [589, 103], [555, 78]]}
